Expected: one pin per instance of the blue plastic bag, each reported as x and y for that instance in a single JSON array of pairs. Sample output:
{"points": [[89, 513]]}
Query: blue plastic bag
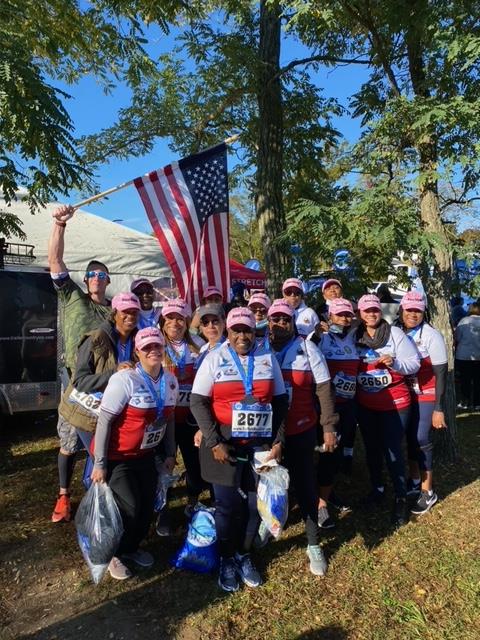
{"points": [[199, 551], [272, 498]]}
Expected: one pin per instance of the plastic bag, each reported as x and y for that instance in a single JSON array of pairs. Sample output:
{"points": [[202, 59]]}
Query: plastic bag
{"points": [[165, 481], [99, 528], [199, 551], [272, 498]]}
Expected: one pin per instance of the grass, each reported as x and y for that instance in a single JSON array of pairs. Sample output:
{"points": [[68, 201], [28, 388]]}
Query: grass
{"points": [[421, 582]]}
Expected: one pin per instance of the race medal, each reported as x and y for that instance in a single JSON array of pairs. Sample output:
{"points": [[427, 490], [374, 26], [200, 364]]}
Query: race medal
{"points": [[153, 435], [345, 385], [374, 380], [251, 419], [413, 382], [184, 392], [89, 401]]}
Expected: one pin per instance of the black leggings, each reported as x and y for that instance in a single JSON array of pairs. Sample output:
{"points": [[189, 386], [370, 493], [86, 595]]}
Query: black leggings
{"points": [[184, 434], [469, 373], [383, 433], [329, 462], [232, 511], [134, 484], [299, 462]]}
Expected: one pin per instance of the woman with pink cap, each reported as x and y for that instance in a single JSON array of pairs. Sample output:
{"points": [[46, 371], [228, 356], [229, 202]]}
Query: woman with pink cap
{"points": [[239, 401], [307, 382], [259, 304], [338, 347], [181, 352], [428, 388], [306, 320], [136, 415], [387, 357]]}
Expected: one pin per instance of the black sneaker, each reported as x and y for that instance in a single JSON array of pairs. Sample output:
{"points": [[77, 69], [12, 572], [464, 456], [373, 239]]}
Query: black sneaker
{"points": [[413, 488], [424, 503], [338, 504], [374, 499], [227, 576], [324, 519], [400, 512]]}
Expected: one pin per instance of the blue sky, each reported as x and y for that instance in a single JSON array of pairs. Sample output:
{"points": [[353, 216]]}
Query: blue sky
{"points": [[91, 110]]}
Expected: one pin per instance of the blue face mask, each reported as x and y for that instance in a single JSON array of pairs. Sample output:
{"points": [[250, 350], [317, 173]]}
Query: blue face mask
{"points": [[335, 328]]}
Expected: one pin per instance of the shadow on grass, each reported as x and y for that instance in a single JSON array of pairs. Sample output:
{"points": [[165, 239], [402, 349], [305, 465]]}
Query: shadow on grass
{"points": [[326, 633]]}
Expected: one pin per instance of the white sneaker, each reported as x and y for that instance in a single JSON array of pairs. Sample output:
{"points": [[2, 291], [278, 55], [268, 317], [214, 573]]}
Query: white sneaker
{"points": [[118, 570], [318, 564]]}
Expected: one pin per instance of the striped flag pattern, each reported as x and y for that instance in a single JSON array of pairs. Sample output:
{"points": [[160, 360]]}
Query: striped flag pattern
{"points": [[187, 205]]}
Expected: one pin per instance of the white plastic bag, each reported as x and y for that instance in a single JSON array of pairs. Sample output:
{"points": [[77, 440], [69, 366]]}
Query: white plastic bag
{"points": [[99, 528], [272, 498], [165, 481]]}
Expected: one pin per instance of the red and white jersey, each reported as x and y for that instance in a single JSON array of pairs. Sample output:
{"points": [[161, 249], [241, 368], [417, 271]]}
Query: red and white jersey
{"points": [[128, 397], [305, 319], [185, 376], [342, 359], [303, 366], [382, 388], [219, 378], [432, 349]]}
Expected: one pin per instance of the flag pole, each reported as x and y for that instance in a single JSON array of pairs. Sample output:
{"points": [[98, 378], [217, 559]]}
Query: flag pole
{"points": [[123, 185]]}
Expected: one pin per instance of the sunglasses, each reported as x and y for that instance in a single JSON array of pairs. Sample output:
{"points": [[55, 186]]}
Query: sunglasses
{"points": [[214, 322], [277, 319], [292, 292], [101, 275], [153, 346]]}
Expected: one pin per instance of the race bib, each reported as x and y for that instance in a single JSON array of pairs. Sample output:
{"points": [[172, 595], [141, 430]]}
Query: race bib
{"points": [[89, 401], [251, 420], [184, 392], [153, 435], [374, 380], [345, 385]]}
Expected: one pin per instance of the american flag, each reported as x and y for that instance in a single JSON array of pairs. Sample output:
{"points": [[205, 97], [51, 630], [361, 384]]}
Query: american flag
{"points": [[187, 205]]}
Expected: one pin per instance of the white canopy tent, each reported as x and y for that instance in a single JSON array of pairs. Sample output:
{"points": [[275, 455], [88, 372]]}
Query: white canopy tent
{"points": [[128, 254]]}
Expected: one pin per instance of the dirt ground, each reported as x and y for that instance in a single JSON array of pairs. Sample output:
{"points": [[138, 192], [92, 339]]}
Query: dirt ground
{"points": [[46, 592]]}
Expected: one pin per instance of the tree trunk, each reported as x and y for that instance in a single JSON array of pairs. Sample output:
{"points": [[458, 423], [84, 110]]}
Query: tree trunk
{"points": [[439, 287], [269, 197]]}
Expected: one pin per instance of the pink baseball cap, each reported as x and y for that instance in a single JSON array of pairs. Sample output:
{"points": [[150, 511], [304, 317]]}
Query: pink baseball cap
{"points": [[329, 282], [413, 300], [149, 335], [260, 298], [212, 291], [292, 283], [340, 305], [139, 281], [127, 300], [176, 306], [280, 306], [369, 301], [240, 315]]}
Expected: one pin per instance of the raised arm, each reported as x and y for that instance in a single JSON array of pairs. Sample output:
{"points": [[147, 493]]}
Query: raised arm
{"points": [[56, 242]]}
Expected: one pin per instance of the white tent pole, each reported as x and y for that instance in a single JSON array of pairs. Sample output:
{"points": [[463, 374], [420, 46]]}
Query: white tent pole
{"points": [[103, 194]]}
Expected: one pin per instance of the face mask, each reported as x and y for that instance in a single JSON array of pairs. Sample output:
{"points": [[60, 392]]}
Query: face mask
{"points": [[262, 324], [335, 328]]}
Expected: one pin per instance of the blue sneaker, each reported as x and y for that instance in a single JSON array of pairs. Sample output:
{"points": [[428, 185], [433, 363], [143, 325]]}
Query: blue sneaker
{"points": [[247, 572], [318, 564], [227, 576]]}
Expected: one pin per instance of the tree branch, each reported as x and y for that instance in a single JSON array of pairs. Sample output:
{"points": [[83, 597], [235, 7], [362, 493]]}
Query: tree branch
{"points": [[319, 58]]}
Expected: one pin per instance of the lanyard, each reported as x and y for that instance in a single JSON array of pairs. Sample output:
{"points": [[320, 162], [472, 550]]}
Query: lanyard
{"points": [[202, 356], [124, 351], [159, 396], [413, 332], [148, 321], [178, 361], [247, 378], [280, 355]]}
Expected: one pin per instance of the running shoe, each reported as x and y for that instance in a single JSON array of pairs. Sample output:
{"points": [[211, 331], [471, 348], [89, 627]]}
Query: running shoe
{"points": [[227, 576], [246, 570], [162, 526], [318, 564], [413, 488], [400, 512], [424, 503], [324, 519], [338, 504], [118, 570], [142, 558], [63, 509]]}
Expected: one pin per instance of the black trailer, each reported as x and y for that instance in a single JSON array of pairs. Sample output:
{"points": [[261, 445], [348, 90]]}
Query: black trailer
{"points": [[30, 345]]}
